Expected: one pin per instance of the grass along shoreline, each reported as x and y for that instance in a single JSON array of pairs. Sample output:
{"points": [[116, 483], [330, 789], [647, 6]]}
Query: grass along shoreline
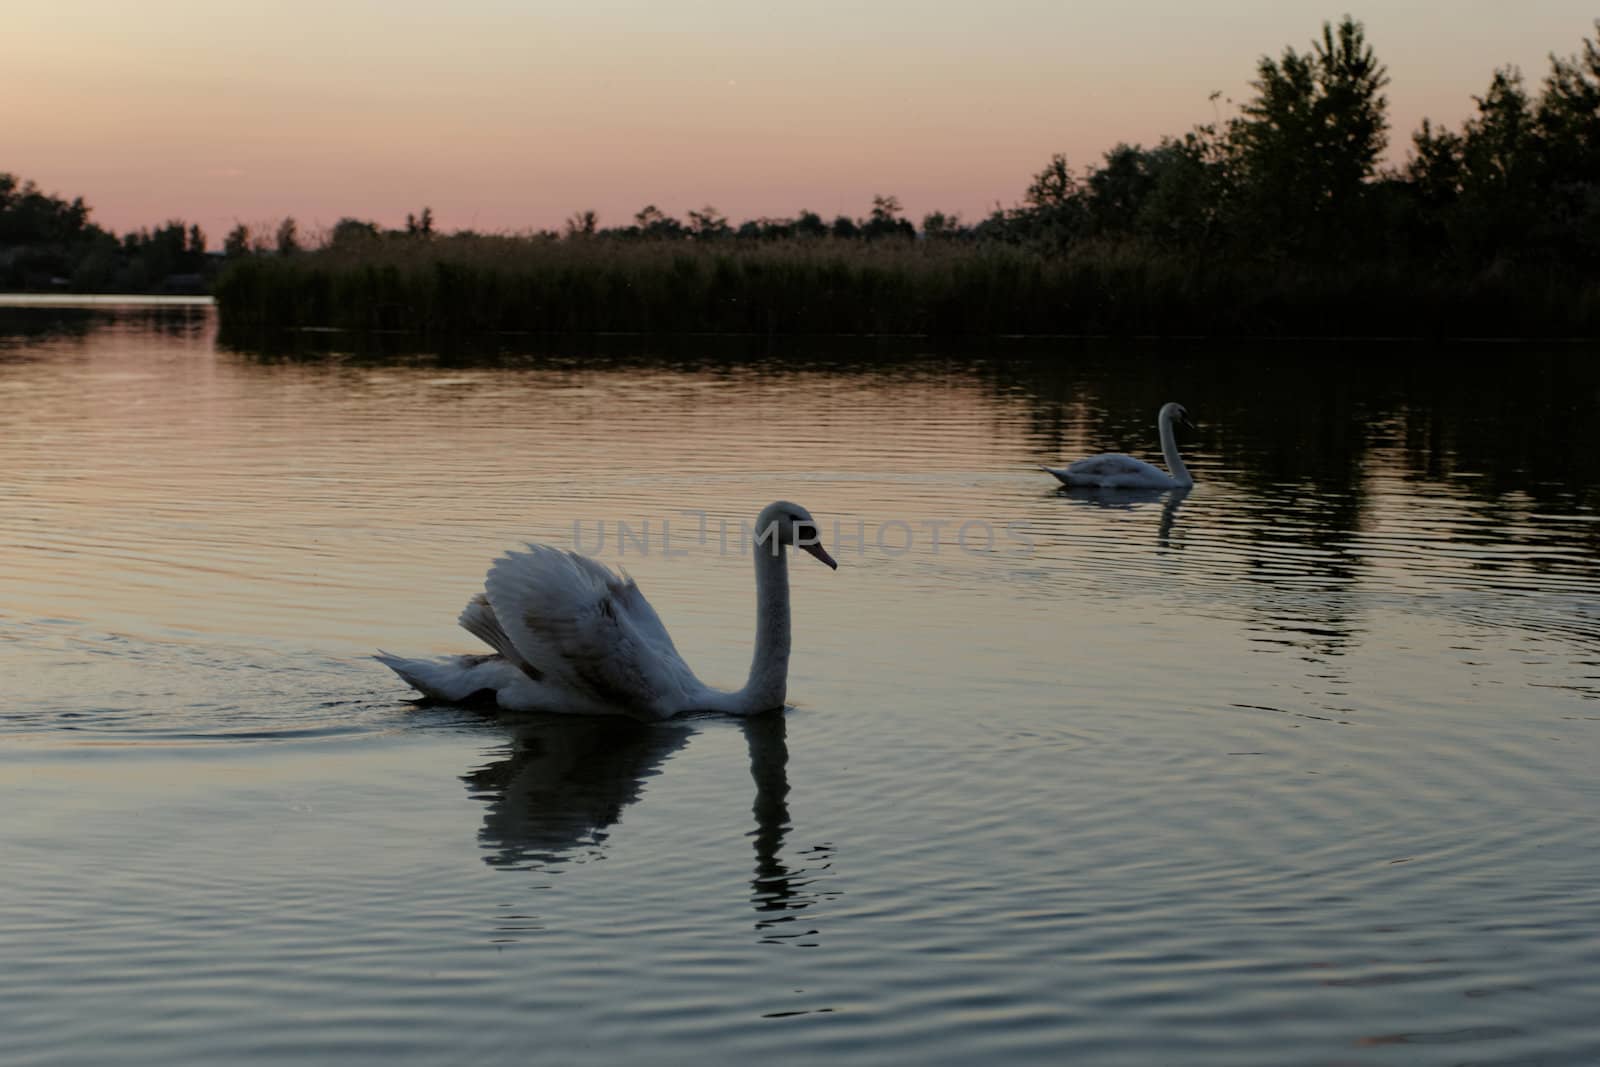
{"points": [[464, 285]]}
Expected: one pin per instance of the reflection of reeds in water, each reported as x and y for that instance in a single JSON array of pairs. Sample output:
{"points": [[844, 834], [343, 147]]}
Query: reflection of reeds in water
{"points": [[469, 284]]}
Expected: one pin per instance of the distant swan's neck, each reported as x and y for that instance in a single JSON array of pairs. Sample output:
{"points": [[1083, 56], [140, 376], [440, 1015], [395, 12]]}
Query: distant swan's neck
{"points": [[769, 669], [1169, 449]]}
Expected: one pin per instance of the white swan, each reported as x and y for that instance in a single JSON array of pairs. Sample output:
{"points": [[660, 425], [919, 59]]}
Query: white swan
{"points": [[571, 635], [1117, 471]]}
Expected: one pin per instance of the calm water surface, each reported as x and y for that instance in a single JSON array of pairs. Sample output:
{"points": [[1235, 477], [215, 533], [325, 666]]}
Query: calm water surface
{"points": [[1296, 769]]}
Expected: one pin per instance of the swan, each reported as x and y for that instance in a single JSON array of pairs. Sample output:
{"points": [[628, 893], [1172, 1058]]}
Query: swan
{"points": [[571, 635], [1117, 471]]}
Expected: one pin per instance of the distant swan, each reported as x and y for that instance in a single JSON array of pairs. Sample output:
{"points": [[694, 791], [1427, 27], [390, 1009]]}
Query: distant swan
{"points": [[1117, 471], [570, 635]]}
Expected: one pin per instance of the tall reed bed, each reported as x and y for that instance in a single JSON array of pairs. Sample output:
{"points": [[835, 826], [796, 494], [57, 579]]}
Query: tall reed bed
{"points": [[460, 285]]}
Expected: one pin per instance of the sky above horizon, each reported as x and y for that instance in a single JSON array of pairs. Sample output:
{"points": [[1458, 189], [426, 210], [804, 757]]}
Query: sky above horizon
{"points": [[505, 116]]}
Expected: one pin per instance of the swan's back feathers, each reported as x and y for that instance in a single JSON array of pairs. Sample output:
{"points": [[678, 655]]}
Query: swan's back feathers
{"points": [[1111, 465], [1112, 470], [586, 630]]}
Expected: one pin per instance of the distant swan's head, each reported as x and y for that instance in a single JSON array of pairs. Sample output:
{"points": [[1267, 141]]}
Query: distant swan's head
{"points": [[1174, 412], [783, 523]]}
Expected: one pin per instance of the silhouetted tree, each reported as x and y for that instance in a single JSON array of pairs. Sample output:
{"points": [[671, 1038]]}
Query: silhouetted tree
{"points": [[288, 237], [810, 224], [1310, 139], [28, 215], [1118, 190], [885, 220], [1521, 178], [352, 233], [1055, 208], [1192, 187], [708, 224], [651, 221], [237, 243], [1567, 121], [1568, 114], [937, 226]]}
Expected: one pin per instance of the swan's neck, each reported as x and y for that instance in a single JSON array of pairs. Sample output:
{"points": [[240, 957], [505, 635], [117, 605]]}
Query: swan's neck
{"points": [[1169, 450], [769, 669]]}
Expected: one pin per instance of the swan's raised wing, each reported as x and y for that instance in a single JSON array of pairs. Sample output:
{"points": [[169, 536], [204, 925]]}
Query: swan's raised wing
{"points": [[587, 629]]}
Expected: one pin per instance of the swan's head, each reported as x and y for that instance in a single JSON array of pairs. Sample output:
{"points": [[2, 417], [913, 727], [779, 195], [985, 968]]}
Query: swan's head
{"points": [[783, 523], [1173, 412]]}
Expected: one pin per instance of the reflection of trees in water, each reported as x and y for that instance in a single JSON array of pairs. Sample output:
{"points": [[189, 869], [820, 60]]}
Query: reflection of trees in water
{"points": [[21, 326], [1301, 566], [690, 353], [1290, 434], [564, 781], [1303, 436], [1261, 419], [1515, 416], [1269, 413], [1513, 419], [1284, 558]]}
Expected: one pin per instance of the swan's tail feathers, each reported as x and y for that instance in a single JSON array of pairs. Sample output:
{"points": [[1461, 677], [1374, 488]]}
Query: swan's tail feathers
{"points": [[416, 673], [1059, 475], [451, 679]]}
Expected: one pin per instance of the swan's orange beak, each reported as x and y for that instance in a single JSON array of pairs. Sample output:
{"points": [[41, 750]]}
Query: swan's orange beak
{"points": [[821, 553]]}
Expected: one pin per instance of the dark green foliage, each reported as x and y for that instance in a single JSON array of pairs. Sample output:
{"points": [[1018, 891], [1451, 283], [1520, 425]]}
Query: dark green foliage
{"points": [[885, 221], [45, 240], [1520, 181], [465, 285], [288, 238], [1274, 223], [237, 243], [708, 224], [355, 232], [1276, 220], [1308, 142], [420, 225], [30, 216], [47, 243]]}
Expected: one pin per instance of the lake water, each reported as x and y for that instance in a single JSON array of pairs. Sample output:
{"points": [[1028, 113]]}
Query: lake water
{"points": [[1297, 769]]}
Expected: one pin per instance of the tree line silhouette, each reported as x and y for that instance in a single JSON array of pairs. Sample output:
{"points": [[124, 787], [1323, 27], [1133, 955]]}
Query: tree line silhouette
{"points": [[1281, 201], [50, 243]]}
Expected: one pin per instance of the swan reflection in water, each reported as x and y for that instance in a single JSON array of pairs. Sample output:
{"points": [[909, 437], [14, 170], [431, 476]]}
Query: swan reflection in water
{"points": [[1128, 500], [780, 891], [566, 780]]}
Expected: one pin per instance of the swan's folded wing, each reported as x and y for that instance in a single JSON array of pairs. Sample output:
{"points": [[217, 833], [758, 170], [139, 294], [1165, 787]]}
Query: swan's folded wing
{"points": [[1110, 465], [584, 627]]}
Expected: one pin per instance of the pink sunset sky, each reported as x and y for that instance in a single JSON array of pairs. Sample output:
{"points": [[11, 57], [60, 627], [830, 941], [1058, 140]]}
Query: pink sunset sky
{"points": [[506, 115]]}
